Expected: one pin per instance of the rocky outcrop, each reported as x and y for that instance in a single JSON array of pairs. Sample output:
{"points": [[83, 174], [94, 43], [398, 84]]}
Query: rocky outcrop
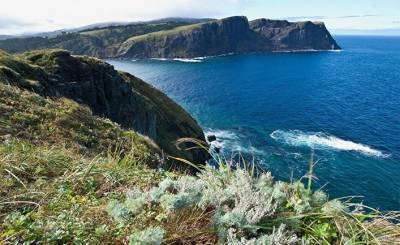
{"points": [[284, 35], [119, 96]]}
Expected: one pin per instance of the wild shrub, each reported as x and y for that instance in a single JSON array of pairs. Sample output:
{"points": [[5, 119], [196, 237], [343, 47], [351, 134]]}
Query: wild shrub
{"points": [[255, 209]]}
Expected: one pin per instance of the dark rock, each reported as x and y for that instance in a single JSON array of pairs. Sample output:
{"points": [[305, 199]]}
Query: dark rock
{"points": [[211, 138], [284, 35]]}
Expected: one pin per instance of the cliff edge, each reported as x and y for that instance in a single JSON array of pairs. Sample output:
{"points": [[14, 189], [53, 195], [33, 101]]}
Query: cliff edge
{"points": [[119, 96]]}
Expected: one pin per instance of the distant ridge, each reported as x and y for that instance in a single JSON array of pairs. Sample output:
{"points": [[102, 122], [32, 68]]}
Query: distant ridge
{"points": [[181, 38], [3, 37]]}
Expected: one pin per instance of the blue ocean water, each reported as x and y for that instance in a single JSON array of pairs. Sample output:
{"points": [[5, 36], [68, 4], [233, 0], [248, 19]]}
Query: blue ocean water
{"points": [[276, 106]]}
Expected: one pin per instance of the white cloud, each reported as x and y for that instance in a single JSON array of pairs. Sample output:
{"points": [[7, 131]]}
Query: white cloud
{"points": [[44, 15]]}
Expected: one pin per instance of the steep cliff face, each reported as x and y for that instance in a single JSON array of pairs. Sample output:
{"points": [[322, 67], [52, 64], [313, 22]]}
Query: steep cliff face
{"points": [[229, 35], [206, 39], [118, 96], [284, 35]]}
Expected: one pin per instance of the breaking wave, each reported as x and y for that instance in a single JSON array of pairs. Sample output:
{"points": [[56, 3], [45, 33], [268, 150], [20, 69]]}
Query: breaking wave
{"points": [[194, 60], [187, 60], [230, 142], [323, 141]]}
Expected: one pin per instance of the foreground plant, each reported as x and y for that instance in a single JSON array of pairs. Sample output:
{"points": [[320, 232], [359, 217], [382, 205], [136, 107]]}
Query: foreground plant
{"points": [[248, 209]]}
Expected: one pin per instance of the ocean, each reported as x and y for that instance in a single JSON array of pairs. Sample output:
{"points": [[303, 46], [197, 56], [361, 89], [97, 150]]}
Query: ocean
{"points": [[275, 107]]}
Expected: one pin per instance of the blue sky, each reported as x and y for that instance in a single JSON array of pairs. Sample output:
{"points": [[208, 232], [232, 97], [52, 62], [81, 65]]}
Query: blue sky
{"points": [[338, 14], [22, 16]]}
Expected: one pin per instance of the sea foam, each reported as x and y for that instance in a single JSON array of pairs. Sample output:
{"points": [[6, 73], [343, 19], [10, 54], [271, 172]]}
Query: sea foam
{"points": [[230, 142], [322, 141], [187, 60], [194, 60]]}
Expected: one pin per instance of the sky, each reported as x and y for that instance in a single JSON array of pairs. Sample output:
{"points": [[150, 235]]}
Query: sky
{"points": [[29, 16]]}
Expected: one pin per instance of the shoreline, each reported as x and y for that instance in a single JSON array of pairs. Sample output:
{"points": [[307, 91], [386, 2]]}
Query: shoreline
{"points": [[199, 59]]}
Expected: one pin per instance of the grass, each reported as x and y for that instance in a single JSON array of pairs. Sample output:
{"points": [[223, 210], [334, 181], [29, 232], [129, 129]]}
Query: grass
{"points": [[63, 121], [60, 166], [56, 194], [36, 71], [174, 31]]}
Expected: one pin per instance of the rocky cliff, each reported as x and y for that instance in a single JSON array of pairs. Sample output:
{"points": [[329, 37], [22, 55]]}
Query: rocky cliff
{"points": [[229, 35], [284, 35], [183, 40], [119, 96], [205, 39]]}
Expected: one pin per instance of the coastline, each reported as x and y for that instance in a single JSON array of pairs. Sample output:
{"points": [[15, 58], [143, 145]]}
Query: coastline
{"points": [[199, 59]]}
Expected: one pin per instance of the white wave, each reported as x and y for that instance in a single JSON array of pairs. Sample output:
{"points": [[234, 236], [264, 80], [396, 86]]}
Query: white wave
{"points": [[189, 60], [322, 141], [230, 142], [194, 60], [222, 134], [202, 57], [307, 50]]}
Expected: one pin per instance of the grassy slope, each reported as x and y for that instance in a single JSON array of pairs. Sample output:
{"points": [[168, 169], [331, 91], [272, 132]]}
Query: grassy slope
{"points": [[32, 70], [100, 42], [174, 31], [60, 165]]}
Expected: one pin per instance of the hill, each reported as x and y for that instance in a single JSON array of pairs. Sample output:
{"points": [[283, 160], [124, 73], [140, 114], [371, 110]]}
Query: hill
{"points": [[98, 40]]}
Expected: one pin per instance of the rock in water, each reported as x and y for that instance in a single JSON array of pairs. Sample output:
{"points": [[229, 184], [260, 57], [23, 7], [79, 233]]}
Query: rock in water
{"points": [[211, 138]]}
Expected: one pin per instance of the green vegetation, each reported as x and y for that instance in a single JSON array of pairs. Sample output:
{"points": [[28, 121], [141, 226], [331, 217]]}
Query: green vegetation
{"points": [[115, 34], [49, 72], [60, 166], [98, 42], [174, 31]]}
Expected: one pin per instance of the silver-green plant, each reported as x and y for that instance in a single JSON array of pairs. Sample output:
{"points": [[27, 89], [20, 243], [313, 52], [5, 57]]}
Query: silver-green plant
{"points": [[149, 236], [278, 236]]}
